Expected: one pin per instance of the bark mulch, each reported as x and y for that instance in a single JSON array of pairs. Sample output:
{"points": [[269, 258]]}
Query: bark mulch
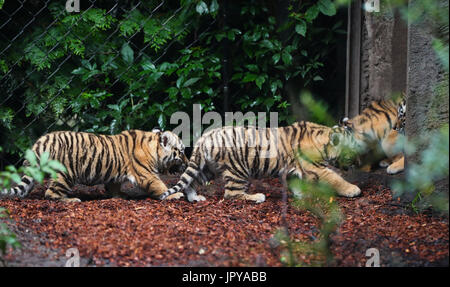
{"points": [[217, 232]]}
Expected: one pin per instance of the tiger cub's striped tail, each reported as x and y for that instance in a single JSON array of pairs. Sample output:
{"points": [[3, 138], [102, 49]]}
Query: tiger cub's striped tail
{"points": [[21, 190], [191, 173]]}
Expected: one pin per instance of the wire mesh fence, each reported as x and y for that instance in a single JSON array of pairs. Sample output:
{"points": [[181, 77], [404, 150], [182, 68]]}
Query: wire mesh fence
{"points": [[107, 68], [117, 65]]}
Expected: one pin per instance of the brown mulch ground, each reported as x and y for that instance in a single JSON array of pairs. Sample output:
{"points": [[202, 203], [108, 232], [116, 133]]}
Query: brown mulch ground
{"points": [[217, 232]]}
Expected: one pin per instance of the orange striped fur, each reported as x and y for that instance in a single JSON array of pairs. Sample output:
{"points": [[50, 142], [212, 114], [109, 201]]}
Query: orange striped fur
{"points": [[378, 126], [91, 159], [240, 153]]}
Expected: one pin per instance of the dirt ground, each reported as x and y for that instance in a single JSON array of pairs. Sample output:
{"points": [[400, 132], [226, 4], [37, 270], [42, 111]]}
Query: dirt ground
{"points": [[217, 232]]}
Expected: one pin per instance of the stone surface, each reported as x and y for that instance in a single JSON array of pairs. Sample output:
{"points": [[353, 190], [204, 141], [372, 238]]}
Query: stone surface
{"points": [[383, 55], [427, 105]]}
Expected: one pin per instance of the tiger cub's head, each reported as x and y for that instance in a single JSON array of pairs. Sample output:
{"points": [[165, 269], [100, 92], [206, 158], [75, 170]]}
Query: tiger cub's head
{"points": [[171, 156], [401, 116], [378, 114]]}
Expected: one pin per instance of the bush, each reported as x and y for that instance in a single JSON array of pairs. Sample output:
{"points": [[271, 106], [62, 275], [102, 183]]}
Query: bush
{"points": [[37, 170], [420, 178], [318, 199], [119, 66]]}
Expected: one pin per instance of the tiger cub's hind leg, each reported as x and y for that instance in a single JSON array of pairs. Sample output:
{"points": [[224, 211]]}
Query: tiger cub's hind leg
{"points": [[236, 187], [58, 190]]}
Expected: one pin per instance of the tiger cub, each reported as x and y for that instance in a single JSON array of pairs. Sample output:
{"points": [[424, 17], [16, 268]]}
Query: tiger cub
{"points": [[379, 126], [91, 159], [240, 153]]}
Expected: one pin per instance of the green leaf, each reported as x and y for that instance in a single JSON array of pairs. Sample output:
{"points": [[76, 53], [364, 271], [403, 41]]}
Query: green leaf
{"points": [[148, 66], [44, 158], [327, 7], [276, 57], [190, 82], [220, 36], [300, 28], [287, 58], [114, 107], [31, 157], [312, 13], [273, 87], [79, 71], [16, 177], [127, 53], [230, 35], [35, 173], [259, 81], [179, 81], [56, 165], [267, 44], [249, 78], [201, 8], [318, 78], [161, 121], [252, 67], [172, 91], [214, 7]]}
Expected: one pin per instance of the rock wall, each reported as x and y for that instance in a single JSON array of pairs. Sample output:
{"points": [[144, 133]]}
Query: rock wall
{"points": [[383, 55], [427, 82], [397, 56]]}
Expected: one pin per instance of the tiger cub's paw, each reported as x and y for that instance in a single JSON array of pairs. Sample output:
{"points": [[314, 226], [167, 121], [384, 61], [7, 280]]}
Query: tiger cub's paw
{"points": [[176, 195], [193, 197], [392, 169], [397, 166], [350, 191], [257, 197], [73, 199]]}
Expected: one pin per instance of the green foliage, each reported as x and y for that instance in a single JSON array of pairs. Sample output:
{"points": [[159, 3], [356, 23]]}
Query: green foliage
{"points": [[421, 177], [37, 170], [433, 166], [7, 238], [442, 51], [318, 110], [347, 149], [319, 199], [105, 71]]}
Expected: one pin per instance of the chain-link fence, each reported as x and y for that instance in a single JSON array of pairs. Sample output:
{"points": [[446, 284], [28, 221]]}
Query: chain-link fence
{"points": [[107, 68], [119, 65]]}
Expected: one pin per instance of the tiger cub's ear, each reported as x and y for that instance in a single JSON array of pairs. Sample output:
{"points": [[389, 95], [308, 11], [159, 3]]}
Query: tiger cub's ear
{"points": [[343, 122], [346, 123], [156, 130], [163, 140]]}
